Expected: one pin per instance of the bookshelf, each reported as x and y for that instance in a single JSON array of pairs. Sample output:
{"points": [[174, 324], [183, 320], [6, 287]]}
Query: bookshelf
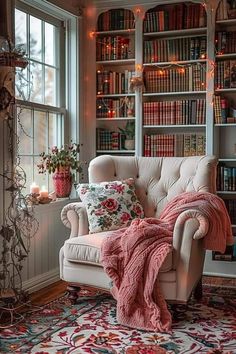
{"points": [[174, 61], [224, 112], [115, 65], [183, 51]]}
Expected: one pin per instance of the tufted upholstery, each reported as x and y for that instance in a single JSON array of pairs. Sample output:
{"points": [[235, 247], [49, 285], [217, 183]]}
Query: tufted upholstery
{"points": [[157, 181]]}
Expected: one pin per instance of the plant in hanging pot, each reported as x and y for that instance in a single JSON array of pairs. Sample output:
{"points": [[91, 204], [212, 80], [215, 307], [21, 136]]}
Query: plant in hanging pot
{"points": [[61, 162], [129, 133]]}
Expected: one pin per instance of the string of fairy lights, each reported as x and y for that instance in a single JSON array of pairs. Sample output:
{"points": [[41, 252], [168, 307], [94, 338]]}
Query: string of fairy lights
{"points": [[137, 83]]}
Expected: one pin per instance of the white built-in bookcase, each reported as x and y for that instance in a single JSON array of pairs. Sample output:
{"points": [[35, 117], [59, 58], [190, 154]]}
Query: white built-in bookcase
{"points": [[220, 139]]}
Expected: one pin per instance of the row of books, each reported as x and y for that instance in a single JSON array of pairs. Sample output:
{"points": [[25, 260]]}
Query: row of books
{"points": [[114, 48], [225, 74], [174, 112], [187, 78], [113, 107], [226, 10], [112, 82], [226, 178], [115, 19], [231, 207], [225, 42], [184, 144], [222, 110], [166, 50], [175, 17], [228, 255], [109, 140]]}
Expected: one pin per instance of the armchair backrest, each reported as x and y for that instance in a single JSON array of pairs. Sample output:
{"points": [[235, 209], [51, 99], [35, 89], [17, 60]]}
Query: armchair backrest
{"points": [[157, 179]]}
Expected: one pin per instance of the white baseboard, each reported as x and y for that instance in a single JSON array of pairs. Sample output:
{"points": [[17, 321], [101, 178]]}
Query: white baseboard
{"points": [[41, 281]]}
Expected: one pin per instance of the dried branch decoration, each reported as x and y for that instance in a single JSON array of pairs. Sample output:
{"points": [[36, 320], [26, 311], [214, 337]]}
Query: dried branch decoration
{"points": [[18, 222]]}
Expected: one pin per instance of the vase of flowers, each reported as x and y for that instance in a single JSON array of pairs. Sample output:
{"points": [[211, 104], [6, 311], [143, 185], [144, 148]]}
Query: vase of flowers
{"points": [[61, 162]]}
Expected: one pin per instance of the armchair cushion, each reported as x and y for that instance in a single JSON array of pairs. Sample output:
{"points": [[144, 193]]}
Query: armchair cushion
{"points": [[86, 249], [110, 205]]}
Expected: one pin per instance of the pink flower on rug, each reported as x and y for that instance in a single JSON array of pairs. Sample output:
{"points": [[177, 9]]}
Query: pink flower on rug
{"points": [[105, 338], [145, 349], [62, 334], [110, 204]]}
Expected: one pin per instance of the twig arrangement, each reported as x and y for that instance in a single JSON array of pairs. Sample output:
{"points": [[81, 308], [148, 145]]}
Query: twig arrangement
{"points": [[18, 222]]}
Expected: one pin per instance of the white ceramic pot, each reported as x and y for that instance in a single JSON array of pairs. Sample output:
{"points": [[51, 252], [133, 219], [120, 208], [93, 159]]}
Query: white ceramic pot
{"points": [[129, 144]]}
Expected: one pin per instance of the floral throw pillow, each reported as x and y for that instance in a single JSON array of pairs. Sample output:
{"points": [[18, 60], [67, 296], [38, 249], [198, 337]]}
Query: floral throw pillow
{"points": [[110, 205]]}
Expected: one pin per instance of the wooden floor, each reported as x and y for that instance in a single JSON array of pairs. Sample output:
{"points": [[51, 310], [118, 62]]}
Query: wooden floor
{"points": [[53, 291]]}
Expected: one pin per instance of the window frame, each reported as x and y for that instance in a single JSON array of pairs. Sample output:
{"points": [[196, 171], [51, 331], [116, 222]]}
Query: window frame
{"points": [[69, 82]]}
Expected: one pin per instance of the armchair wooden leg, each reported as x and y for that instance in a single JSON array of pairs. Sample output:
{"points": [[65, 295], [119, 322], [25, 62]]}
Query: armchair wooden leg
{"points": [[198, 290], [73, 293]]}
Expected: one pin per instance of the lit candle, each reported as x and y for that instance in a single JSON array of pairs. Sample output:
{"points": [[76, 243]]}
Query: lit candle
{"points": [[43, 192], [34, 188]]}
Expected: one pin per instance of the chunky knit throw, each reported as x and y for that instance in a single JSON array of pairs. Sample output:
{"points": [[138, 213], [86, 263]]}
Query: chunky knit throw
{"points": [[132, 257]]}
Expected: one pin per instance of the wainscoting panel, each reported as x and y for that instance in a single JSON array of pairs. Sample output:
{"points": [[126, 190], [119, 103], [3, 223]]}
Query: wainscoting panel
{"points": [[42, 265]]}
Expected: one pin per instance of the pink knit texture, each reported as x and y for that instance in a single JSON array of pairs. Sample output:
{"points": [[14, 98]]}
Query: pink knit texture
{"points": [[133, 256]]}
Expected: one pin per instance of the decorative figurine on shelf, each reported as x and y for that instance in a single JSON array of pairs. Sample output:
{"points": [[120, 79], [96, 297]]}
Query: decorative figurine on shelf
{"points": [[129, 101], [136, 83]]}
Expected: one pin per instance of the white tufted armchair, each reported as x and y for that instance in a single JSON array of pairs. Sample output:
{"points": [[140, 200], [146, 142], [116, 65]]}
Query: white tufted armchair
{"points": [[157, 181]]}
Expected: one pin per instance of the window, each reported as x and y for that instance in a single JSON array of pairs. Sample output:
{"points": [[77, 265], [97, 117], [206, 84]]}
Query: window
{"points": [[40, 88]]}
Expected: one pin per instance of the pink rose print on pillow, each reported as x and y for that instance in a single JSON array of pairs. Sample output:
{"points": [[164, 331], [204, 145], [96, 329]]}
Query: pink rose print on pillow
{"points": [[110, 204], [137, 209], [125, 217]]}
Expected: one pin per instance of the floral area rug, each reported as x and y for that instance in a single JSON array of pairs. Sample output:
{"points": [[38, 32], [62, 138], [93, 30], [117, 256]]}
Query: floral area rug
{"points": [[90, 326]]}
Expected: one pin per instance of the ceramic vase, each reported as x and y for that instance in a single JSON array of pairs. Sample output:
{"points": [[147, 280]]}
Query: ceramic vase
{"points": [[62, 181]]}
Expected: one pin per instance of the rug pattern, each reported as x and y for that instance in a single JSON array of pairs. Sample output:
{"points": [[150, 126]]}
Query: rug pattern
{"points": [[90, 326]]}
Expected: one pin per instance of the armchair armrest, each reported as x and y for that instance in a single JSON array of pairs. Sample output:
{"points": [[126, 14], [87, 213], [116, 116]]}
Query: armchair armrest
{"points": [[74, 216], [188, 250], [190, 225]]}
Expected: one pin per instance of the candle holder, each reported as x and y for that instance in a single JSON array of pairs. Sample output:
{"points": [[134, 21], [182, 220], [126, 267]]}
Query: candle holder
{"points": [[32, 199], [44, 200]]}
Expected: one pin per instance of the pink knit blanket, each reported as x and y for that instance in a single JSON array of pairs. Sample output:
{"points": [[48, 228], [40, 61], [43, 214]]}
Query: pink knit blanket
{"points": [[132, 258]]}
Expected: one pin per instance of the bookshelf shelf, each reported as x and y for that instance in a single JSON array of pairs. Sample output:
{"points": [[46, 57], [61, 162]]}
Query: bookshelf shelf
{"points": [[175, 63], [177, 33], [115, 151], [115, 119], [114, 62], [226, 56], [225, 125], [174, 93], [194, 126], [226, 192], [114, 32], [225, 90], [117, 95]]}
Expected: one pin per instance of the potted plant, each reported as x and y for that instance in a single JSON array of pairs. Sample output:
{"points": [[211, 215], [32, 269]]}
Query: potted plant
{"points": [[61, 162], [129, 133]]}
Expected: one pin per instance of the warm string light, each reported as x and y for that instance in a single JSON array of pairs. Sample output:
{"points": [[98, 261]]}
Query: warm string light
{"points": [[111, 112]]}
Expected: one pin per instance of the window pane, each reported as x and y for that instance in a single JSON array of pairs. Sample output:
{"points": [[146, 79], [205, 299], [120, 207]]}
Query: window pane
{"points": [[40, 132], [50, 86], [54, 130], [26, 163], [49, 44], [35, 38], [25, 132], [36, 80], [20, 28], [40, 178], [22, 84]]}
